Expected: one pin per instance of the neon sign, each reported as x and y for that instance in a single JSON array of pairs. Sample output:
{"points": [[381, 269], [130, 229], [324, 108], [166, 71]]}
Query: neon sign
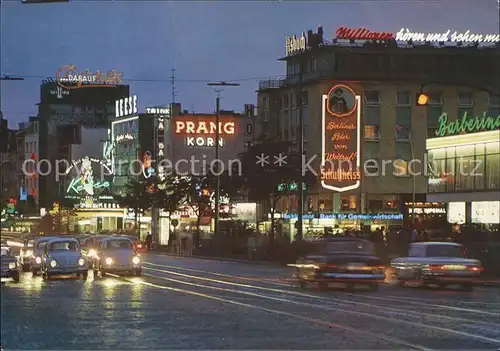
{"points": [[406, 35], [80, 184], [340, 158], [362, 34], [126, 106], [197, 132], [160, 135], [157, 110], [466, 124], [123, 137], [68, 77], [295, 44]]}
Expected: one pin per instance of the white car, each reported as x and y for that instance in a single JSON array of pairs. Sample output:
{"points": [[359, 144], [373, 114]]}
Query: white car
{"points": [[38, 250], [441, 263], [63, 256], [117, 255]]}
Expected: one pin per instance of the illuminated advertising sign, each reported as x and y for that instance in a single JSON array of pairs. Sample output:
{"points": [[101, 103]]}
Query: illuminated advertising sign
{"points": [[340, 157], [349, 216], [406, 35], [295, 44], [160, 147], [85, 183], [68, 77], [157, 110], [126, 106], [201, 132], [466, 124]]}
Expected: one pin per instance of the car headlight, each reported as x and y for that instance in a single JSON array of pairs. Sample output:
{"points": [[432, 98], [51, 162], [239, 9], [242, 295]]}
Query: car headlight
{"points": [[29, 253], [12, 265], [38, 260], [109, 260], [81, 262], [53, 263], [136, 260]]}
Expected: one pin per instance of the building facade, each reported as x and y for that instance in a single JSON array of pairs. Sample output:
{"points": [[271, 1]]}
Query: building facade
{"points": [[379, 81]]}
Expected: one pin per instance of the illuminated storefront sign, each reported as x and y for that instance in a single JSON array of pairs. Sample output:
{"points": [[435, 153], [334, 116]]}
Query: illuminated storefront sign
{"points": [[124, 137], [81, 184], [340, 158], [201, 133], [347, 216], [160, 152], [147, 165], [126, 106], [466, 124], [405, 35], [68, 77], [295, 44]]}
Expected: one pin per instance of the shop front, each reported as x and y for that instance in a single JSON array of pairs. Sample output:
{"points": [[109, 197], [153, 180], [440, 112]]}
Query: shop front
{"points": [[464, 173]]}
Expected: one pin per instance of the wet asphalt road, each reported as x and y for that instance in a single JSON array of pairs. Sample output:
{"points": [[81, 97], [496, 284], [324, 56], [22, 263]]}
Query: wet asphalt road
{"points": [[186, 303]]}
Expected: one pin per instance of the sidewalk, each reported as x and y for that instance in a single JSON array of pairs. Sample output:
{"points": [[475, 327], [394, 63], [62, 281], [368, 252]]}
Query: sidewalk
{"points": [[486, 282]]}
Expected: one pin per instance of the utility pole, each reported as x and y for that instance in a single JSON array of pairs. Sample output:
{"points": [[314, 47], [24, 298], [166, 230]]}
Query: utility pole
{"points": [[217, 133], [300, 214]]}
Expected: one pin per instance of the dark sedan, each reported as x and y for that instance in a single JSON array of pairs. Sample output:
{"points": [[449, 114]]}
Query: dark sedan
{"points": [[349, 261]]}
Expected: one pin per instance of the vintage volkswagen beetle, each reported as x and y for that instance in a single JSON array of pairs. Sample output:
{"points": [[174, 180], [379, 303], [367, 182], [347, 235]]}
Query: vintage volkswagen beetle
{"points": [[10, 267], [117, 255], [441, 263], [350, 261], [38, 250], [62, 256]]}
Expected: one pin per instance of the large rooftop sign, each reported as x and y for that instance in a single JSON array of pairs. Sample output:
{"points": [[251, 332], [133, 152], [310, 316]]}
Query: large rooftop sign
{"points": [[406, 34], [69, 77]]}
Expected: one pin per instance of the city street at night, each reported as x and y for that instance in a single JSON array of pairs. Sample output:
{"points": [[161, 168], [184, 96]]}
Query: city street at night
{"points": [[189, 303]]}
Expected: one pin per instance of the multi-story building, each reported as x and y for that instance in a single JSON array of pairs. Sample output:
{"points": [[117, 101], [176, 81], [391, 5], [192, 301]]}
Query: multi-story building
{"points": [[381, 126], [31, 137], [8, 163]]}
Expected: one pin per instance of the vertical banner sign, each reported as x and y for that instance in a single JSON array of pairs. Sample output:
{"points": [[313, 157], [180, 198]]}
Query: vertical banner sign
{"points": [[340, 156], [160, 146]]}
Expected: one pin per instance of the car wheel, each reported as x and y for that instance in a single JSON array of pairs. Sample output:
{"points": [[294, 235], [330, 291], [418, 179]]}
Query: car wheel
{"points": [[34, 272], [16, 277], [46, 275], [85, 275], [96, 272], [374, 287], [103, 272], [138, 272]]}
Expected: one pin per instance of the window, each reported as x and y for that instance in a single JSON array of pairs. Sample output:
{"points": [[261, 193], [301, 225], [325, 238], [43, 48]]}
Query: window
{"points": [[372, 115], [402, 133], [375, 203], [465, 99], [391, 202], [403, 99], [286, 102], [494, 100], [371, 158], [435, 99], [433, 114], [372, 132], [403, 116], [492, 166], [403, 155], [372, 98], [348, 203]]}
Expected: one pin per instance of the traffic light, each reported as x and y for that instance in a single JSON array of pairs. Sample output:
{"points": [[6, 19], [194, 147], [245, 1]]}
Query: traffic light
{"points": [[422, 99]]}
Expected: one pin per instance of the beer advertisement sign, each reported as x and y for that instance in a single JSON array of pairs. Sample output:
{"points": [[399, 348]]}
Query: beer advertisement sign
{"points": [[341, 134]]}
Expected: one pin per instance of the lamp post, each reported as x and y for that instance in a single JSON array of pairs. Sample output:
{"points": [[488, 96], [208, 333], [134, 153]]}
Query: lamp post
{"points": [[217, 132]]}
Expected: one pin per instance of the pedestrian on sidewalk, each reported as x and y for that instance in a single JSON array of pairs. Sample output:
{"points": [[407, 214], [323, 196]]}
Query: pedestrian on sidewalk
{"points": [[149, 240]]}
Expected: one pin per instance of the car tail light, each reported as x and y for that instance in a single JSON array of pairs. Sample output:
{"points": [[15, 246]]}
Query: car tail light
{"points": [[475, 268], [139, 246]]}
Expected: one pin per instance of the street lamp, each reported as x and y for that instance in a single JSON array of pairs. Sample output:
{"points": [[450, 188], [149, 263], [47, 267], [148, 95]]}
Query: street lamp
{"points": [[217, 132]]}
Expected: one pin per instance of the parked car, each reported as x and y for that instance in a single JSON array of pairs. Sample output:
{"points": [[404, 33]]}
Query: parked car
{"points": [[10, 267], [441, 263], [117, 255], [38, 250], [62, 256], [350, 261]]}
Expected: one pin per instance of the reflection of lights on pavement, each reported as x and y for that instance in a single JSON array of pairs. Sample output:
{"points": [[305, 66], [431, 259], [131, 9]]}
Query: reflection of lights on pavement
{"points": [[31, 285]]}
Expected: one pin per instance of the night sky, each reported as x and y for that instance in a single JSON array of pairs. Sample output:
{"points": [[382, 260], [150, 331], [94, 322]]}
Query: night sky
{"points": [[203, 41]]}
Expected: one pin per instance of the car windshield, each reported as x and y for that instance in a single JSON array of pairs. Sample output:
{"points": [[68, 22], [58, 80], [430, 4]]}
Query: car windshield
{"points": [[30, 243], [446, 251], [118, 244], [63, 246], [349, 246], [41, 245], [5, 251]]}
